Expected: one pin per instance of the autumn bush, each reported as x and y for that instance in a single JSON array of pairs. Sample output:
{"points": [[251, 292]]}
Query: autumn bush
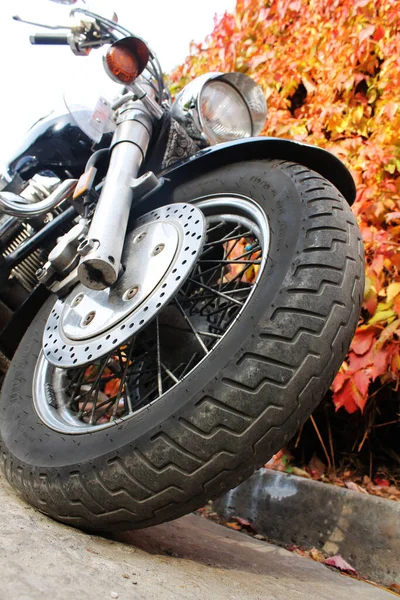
{"points": [[330, 70]]}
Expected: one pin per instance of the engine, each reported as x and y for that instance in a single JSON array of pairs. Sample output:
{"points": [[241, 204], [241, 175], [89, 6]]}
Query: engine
{"points": [[22, 277]]}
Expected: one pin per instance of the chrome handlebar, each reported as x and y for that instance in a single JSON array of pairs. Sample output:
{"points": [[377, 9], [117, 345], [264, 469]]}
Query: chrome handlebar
{"points": [[94, 32]]}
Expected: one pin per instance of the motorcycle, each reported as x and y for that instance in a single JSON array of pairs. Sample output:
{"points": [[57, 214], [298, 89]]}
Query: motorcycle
{"points": [[177, 293]]}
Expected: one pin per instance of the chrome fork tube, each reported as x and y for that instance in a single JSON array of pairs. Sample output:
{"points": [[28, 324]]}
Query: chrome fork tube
{"points": [[102, 250]]}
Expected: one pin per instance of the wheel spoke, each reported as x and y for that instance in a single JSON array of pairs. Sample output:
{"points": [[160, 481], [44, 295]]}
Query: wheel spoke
{"points": [[209, 334], [159, 364], [237, 278], [93, 389], [228, 239], [108, 402], [221, 294], [169, 347], [170, 374], [189, 365], [188, 321], [123, 377], [232, 261]]}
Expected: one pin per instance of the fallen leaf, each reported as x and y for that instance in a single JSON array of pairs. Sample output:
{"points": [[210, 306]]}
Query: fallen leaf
{"points": [[354, 486], [339, 563], [381, 482], [234, 526], [243, 522], [300, 472], [299, 551], [280, 461], [317, 555], [316, 468]]}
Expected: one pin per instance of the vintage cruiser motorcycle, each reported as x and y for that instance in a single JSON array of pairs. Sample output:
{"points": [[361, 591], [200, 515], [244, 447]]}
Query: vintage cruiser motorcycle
{"points": [[176, 295]]}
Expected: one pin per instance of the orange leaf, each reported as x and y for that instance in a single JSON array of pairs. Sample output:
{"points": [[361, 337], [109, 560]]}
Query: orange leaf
{"points": [[90, 371], [339, 381], [381, 363], [371, 304], [111, 388], [349, 398], [396, 304], [387, 334], [379, 33], [362, 341], [234, 526], [362, 380]]}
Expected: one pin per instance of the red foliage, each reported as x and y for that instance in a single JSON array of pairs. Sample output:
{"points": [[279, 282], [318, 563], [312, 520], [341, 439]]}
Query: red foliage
{"points": [[330, 70]]}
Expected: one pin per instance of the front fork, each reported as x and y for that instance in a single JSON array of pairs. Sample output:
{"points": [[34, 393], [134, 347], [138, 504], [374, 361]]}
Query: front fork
{"points": [[101, 252]]}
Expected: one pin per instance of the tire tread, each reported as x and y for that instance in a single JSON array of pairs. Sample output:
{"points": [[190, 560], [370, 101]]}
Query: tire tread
{"points": [[231, 430]]}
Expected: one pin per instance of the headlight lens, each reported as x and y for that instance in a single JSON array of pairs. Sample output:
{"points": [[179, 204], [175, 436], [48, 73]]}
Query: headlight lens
{"points": [[224, 113], [220, 107]]}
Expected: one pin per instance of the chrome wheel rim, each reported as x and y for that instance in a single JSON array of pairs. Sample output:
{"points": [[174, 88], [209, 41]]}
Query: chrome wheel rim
{"points": [[135, 375]]}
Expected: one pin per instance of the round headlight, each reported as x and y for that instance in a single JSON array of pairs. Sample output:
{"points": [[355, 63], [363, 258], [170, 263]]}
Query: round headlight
{"points": [[220, 107], [224, 113]]}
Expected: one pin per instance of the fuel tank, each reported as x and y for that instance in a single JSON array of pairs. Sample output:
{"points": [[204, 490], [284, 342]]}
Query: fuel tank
{"points": [[54, 143]]}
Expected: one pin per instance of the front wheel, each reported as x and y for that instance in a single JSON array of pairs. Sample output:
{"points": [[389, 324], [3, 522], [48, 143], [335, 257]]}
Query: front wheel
{"points": [[208, 389]]}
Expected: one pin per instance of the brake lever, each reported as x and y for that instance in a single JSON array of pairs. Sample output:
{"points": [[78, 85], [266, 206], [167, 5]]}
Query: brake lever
{"points": [[46, 26]]}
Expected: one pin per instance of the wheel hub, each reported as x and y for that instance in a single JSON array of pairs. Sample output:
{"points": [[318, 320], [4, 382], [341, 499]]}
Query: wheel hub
{"points": [[158, 256]]}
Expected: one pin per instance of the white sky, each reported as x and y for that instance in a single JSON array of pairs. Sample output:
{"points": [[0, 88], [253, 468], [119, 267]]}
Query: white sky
{"points": [[34, 77]]}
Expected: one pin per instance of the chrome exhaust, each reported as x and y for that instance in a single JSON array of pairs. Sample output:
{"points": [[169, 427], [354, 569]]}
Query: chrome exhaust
{"points": [[17, 206]]}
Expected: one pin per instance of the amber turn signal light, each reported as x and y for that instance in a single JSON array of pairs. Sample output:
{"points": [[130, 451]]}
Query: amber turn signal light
{"points": [[126, 59], [122, 64]]}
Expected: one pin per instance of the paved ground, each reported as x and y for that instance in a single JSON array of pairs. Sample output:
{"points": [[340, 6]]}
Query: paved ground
{"points": [[190, 558]]}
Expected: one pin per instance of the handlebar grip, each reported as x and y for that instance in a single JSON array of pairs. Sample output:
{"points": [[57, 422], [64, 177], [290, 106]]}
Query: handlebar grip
{"points": [[58, 39]]}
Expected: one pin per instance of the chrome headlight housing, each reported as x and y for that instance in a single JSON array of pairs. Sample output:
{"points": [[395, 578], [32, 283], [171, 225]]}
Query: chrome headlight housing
{"points": [[220, 107]]}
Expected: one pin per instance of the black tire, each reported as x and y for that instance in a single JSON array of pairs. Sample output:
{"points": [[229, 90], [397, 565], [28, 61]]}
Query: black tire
{"points": [[233, 412]]}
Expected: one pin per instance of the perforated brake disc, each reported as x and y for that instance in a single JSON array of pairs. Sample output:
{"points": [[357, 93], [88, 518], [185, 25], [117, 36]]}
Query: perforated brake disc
{"points": [[158, 256]]}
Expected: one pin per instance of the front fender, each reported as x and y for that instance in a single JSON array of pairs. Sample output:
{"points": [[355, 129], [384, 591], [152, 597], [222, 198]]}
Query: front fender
{"points": [[323, 162]]}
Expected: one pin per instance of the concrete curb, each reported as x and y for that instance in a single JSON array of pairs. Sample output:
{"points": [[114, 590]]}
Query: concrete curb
{"points": [[287, 509]]}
